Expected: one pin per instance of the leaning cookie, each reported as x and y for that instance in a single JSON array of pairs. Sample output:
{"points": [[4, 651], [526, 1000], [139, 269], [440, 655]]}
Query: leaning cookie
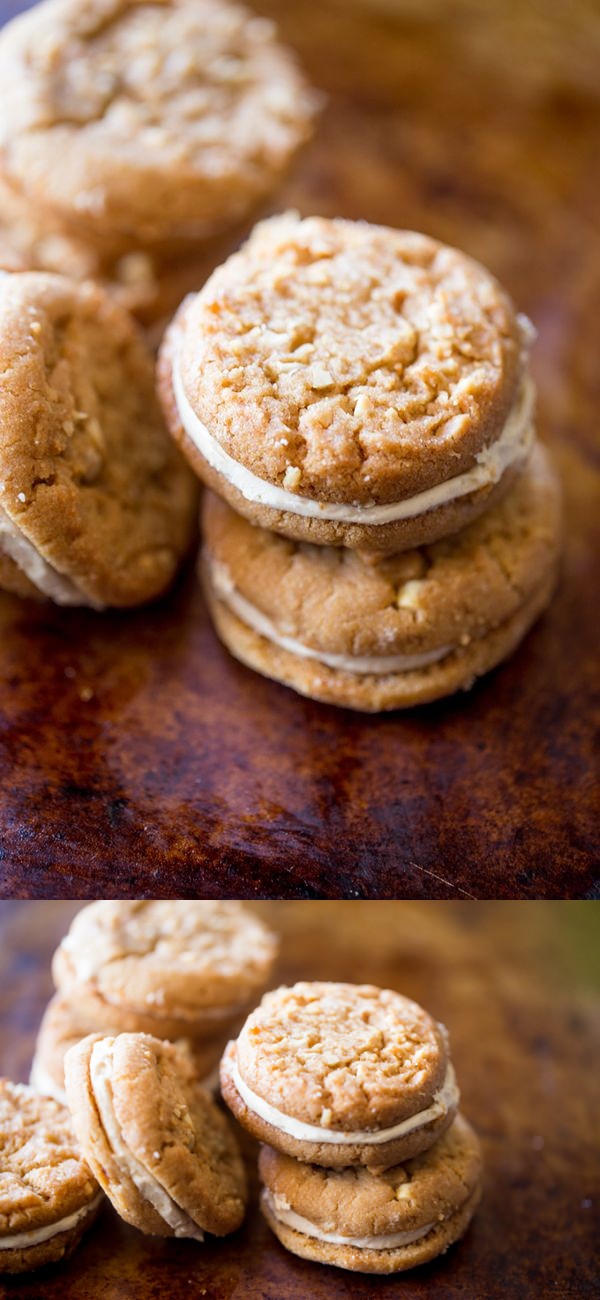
{"points": [[64, 1024], [163, 1152], [153, 123], [96, 505], [350, 384], [375, 1223], [175, 969], [48, 1195], [350, 629], [341, 1074]]}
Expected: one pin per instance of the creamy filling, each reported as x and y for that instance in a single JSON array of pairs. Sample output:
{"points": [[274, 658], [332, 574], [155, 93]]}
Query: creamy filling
{"points": [[20, 1240], [512, 445], [47, 580], [149, 1186], [43, 1083], [284, 1214], [367, 665], [443, 1100]]}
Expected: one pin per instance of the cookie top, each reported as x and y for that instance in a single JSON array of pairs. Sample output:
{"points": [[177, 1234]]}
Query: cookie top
{"points": [[188, 957], [43, 1177], [349, 604], [155, 119], [348, 363], [356, 1204], [97, 505], [165, 1154], [341, 1057]]}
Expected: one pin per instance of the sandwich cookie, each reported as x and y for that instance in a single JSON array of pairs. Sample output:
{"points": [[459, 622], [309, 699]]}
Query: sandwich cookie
{"points": [[375, 1223], [341, 1074], [48, 1195], [96, 504], [163, 1152], [154, 123], [348, 384], [371, 633], [176, 969], [64, 1025]]}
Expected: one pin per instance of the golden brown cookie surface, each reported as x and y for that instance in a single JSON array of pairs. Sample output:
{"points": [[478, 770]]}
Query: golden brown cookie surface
{"points": [[350, 383], [375, 1222], [163, 1152], [341, 1074], [156, 121], [48, 1195], [191, 964], [97, 506], [380, 1223], [383, 632]]}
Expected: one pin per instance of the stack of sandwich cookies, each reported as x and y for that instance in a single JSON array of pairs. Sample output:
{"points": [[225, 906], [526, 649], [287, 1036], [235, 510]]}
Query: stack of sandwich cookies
{"points": [[185, 972], [137, 132], [375, 1223], [162, 1151], [48, 1194], [357, 387], [341, 1074], [353, 1092], [381, 632], [97, 507]]}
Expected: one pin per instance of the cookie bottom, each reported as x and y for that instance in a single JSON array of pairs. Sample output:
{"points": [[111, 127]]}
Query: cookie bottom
{"points": [[52, 1251], [366, 1260], [369, 694]]}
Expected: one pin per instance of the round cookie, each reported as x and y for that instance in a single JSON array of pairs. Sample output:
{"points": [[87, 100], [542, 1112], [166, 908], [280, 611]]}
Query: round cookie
{"points": [[177, 969], [341, 1074], [63, 1025], [97, 507], [349, 384], [48, 1195], [375, 1223], [371, 633], [160, 1147], [157, 123]]}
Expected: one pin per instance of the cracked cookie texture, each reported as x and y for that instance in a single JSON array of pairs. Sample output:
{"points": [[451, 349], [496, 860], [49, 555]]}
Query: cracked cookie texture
{"points": [[163, 1152], [48, 1194], [328, 621], [176, 969], [332, 370], [156, 121], [97, 507], [341, 1074], [375, 1223]]}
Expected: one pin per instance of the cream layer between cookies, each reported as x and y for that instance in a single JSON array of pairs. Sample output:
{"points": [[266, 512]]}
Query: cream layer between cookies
{"points": [[48, 581], [365, 665], [284, 1214], [146, 1183], [512, 445], [21, 1240], [447, 1096]]}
